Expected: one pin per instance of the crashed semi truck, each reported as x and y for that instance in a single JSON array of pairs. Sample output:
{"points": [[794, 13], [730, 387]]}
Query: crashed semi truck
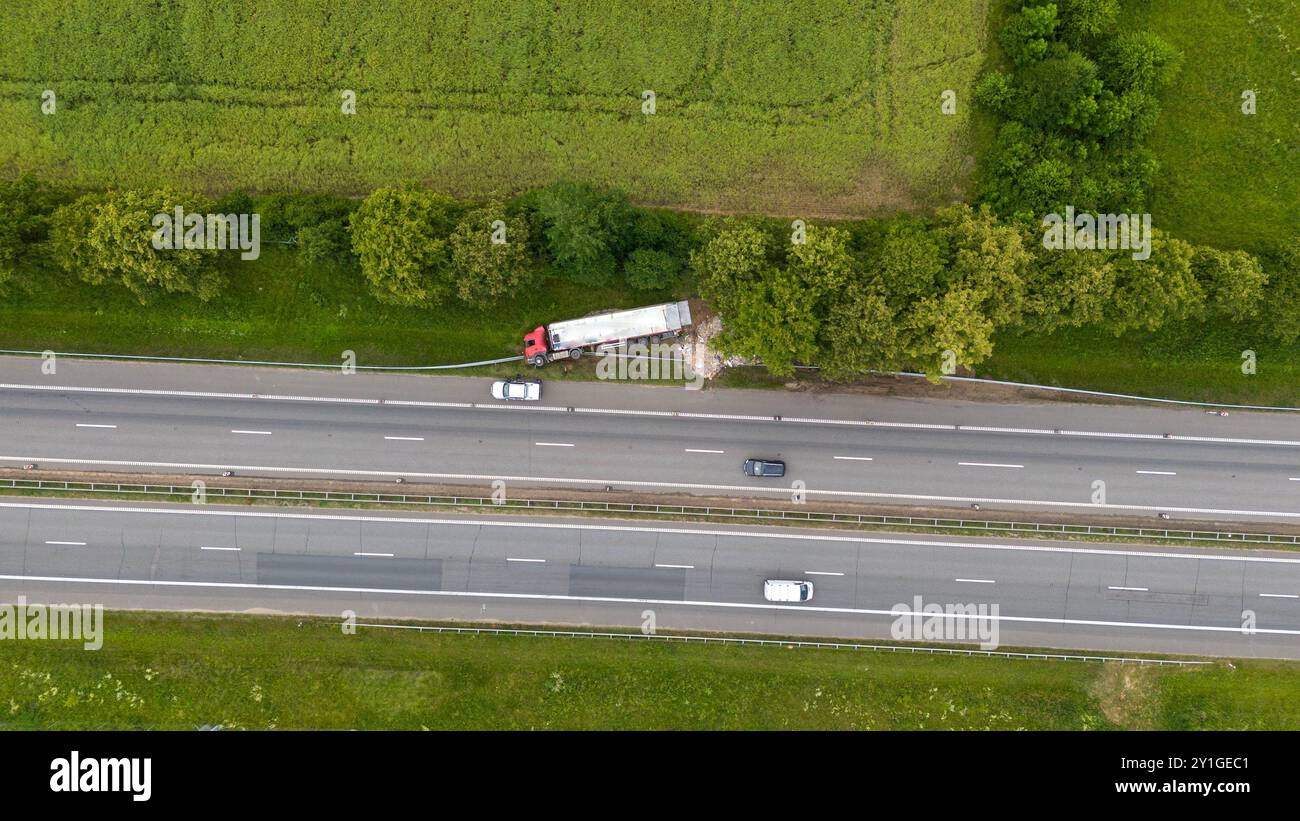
{"points": [[568, 339]]}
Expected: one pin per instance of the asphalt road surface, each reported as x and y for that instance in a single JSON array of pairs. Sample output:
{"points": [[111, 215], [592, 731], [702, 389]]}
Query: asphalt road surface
{"points": [[629, 573], [139, 417]]}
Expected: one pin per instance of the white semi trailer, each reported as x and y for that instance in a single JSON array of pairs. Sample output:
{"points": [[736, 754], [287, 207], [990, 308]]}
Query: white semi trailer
{"points": [[568, 339]]}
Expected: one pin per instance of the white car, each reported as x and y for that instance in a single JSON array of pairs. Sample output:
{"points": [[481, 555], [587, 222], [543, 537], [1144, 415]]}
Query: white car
{"points": [[525, 390], [785, 590]]}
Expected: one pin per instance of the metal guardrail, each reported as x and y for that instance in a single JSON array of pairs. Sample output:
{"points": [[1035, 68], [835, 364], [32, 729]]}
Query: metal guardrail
{"points": [[834, 645], [582, 506]]}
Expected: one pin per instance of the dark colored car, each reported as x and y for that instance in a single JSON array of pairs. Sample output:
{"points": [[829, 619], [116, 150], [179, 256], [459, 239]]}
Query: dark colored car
{"points": [[763, 468]]}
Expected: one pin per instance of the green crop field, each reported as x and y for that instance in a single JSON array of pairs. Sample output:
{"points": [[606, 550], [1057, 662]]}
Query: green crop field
{"points": [[182, 671], [825, 107], [1228, 179]]}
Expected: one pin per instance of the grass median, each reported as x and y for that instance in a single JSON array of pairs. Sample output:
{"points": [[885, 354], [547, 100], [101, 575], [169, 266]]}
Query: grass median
{"points": [[181, 671]]}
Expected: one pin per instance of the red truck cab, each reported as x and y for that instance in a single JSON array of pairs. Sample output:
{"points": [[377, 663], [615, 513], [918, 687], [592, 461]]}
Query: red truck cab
{"points": [[535, 345]]}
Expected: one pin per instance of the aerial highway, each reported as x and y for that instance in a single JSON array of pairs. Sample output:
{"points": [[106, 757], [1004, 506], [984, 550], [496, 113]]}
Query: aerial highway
{"points": [[151, 417], [422, 565]]}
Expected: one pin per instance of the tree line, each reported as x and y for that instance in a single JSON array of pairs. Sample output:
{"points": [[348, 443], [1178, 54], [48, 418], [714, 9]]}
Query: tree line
{"points": [[895, 293], [415, 248]]}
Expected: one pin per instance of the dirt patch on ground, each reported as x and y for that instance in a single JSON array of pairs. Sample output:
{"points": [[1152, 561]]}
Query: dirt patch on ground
{"points": [[877, 191], [1125, 694], [918, 387]]}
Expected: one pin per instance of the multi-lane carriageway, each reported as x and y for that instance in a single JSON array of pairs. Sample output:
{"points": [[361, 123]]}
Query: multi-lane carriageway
{"points": [[137, 417], [687, 577]]}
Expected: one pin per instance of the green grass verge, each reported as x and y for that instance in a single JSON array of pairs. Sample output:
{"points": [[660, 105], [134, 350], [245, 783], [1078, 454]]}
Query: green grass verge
{"points": [[827, 107], [1199, 361], [182, 671], [1228, 179], [275, 309]]}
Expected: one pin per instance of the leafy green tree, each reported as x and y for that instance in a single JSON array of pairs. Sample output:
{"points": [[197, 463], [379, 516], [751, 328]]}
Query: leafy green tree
{"points": [[1060, 93], [1233, 282], [485, 270], [109, 237], [996, 92], [1140, 60], [774, 319], [1152, 292], [860, 335], [950, 322], [586, 230], [986, 257], [1084, 22], [1027, 33], [240, 202], [822, 263], [649, 270], [909, 264], [1281, 263], [667, 231], [25, 209], [284, 214], [324, 244], [1068, 288], [1128, 117], [400, 238], [732, 257]]}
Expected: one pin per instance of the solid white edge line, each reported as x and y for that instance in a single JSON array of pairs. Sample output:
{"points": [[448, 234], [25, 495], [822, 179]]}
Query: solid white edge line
{"points": [[688, 531], [894, 613]]}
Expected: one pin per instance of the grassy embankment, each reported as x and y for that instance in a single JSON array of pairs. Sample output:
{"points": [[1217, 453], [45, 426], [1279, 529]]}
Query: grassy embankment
{"points": [[182, 671]]}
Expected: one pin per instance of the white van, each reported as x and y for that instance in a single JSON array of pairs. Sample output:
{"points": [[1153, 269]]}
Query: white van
{"points": [[783, 590]]}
